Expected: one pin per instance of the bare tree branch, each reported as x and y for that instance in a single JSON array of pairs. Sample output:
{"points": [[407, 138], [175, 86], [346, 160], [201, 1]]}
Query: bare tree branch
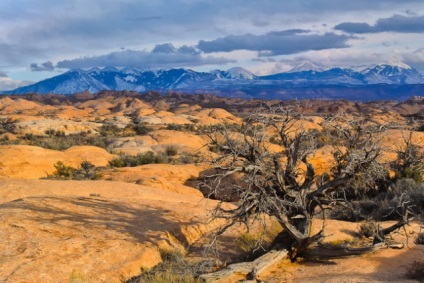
{"points": [[284, 184]]}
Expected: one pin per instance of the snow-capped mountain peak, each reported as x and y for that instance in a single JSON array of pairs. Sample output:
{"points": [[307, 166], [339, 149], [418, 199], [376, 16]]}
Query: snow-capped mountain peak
{"points": [[398, 64], [307, 66], [388, 68], [305, 75], [399, 73], [110, 69], [240, 73]]}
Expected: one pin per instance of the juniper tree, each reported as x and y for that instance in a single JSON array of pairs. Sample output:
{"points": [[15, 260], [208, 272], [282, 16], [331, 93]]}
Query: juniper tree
{"points": [[283, 183]]}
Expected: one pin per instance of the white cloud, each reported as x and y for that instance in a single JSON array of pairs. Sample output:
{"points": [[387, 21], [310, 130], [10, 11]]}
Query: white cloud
{"points": [[162, 56], [276, 42], [44, 30], [7, 83]]}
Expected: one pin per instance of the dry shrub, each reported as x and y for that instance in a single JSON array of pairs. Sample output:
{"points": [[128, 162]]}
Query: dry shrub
{"points": [[167, 276], [256, 243], [420, 239], [78, 277], [339, 242], [247, 242], [367, 229], [416, 271], [174, 268], [86, 171]]}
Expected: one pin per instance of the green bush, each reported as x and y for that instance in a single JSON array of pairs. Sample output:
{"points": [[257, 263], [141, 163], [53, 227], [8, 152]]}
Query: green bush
{"points": [[188, 158], [141, 128], [109, 130], [86, 171], [171, 150], [175, 127], [384, 205], [53, 132], [181, 127], [410, 173], [57, 140], [7, 125], [63, 171], [149, 157]]}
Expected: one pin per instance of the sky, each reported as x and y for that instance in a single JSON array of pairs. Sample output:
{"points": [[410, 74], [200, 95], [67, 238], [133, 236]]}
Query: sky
{"points": [[44, 38]]}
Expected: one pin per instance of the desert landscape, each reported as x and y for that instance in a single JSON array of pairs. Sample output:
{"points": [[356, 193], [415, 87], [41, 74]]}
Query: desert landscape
{"points": [[199, 141], [115, 187]]}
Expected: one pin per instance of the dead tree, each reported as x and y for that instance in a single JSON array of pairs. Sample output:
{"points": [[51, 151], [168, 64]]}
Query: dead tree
{"points": [[283, 184], [410, 157]]}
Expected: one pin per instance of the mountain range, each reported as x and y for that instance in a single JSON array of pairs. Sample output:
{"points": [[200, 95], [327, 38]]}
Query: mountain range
{"points": [[385, 81]]}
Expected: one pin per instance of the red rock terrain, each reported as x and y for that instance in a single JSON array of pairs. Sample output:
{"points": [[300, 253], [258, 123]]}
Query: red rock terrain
{"points": [[108, 230]]}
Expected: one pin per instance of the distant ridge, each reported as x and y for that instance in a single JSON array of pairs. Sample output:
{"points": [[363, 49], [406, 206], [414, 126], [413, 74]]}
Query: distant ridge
{"points": [[111, 78], [384, 81]]}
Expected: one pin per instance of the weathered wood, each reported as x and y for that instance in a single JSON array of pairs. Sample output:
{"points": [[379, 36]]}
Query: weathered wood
{"points": [[325, 252], [398, 246], [243, 270]]}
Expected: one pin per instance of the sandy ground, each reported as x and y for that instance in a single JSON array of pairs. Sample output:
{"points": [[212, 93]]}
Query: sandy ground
{"points": [[385, 265]]}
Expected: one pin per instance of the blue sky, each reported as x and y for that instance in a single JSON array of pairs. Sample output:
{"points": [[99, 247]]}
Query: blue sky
{"points": [[43, 38]]}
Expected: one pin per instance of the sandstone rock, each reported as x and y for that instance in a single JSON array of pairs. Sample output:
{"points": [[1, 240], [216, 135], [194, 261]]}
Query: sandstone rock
{"points": [[183, 141], [133, 145], [31, 162], [103, 231], [68, 112], [214, 116], [11, 106], [39, 126], [161, 176]]}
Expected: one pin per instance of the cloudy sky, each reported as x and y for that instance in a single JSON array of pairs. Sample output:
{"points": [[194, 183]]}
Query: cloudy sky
{"points": [[43, 38]]}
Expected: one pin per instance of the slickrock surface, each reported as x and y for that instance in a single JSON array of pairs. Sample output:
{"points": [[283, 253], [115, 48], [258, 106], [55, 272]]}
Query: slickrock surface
{"points": [[32, 162], [161, 176], [108, 230], [102, 230]]}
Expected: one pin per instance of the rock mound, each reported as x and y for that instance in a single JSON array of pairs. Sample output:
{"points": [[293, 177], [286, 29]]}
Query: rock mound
{"points": [[104, 231], [32, 162]]}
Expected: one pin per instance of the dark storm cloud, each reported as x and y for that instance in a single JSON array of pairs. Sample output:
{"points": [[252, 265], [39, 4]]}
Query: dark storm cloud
{"points": [[46, 30], [165, 48], [275, 43], [15, 53], [3, 74], [354, 27], [171, 49], [188, 50], [162, 56], [46, 66], [396, 23]]}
